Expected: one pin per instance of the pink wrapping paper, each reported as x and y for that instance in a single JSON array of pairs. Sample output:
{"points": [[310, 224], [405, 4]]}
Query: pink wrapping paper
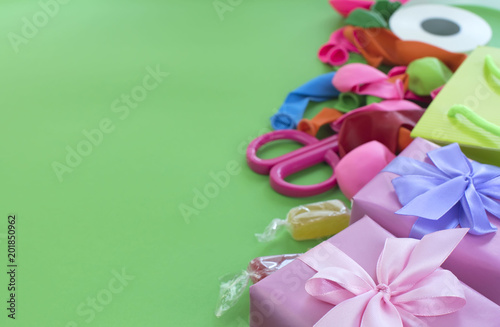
{"points": [[475, 261], [281, 300]]}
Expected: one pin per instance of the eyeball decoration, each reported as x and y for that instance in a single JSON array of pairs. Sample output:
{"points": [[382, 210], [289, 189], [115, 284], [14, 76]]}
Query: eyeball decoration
{"points": [[450, 28], [436, 23]]}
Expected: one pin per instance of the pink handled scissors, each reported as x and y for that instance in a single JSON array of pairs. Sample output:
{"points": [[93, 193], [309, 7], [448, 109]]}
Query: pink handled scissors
{"points": [[313, 152]]}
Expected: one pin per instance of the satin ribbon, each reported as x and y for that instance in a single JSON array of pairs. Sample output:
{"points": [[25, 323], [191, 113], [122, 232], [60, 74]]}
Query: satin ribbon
{"points": [[336, 51], [449, 192], [367, 80], [408, 283], [291, 111]]}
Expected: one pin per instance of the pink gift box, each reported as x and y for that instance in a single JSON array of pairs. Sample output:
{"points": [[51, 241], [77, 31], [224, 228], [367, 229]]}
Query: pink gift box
{"points": [[281, 300], [475, 261]]}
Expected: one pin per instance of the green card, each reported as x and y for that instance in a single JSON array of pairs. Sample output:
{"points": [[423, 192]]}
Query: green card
{"points": [[473, 85]]}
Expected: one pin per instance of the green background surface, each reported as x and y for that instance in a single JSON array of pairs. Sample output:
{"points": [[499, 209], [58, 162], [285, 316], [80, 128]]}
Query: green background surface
{"points": [[119, 208]]}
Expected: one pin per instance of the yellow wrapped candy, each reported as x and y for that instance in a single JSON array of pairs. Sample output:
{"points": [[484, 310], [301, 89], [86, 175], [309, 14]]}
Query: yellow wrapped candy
{"points": [[317, 220], [311, 221]]}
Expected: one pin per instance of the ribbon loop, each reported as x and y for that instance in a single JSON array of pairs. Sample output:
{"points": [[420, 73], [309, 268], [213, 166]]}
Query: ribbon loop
{"points": [[408, 283], [449, 192]]}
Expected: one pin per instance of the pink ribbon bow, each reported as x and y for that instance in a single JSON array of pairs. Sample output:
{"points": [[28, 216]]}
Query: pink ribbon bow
{"points": [[336, 51], [408, 283], [367, 80]]}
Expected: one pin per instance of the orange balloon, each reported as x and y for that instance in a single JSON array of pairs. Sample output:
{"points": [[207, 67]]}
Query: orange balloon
{"points": [[381, 46], [324, 117], [404, 138]]}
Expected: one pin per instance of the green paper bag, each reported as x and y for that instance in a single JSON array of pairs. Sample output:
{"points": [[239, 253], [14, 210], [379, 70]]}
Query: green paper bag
{"points": [[475, 86]]}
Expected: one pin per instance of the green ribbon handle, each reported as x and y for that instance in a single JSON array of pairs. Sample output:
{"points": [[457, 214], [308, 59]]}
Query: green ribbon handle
{"points": [[492, 74], [492, 77], [474, 118]]}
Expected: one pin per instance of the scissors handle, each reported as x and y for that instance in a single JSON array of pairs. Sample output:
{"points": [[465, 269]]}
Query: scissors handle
{"points": [[263, 166], [325, 151]]}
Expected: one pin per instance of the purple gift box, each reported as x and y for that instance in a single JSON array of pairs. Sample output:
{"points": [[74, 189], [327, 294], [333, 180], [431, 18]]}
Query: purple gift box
{"points": [[476, 260], [282, 300]]}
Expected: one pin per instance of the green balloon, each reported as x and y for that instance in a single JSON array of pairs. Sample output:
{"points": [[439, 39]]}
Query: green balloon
{"points": [[366, 19], [427, 74], [385, 8], [370, 99], [348, 101]]}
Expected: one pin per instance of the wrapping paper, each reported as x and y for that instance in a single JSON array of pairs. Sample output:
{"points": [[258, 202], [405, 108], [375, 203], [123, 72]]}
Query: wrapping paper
{"points": [[475, 261], [281, 299]]}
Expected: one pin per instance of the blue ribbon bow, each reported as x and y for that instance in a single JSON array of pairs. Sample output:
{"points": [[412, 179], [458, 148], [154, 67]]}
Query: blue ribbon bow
{"points": [[291, 111], [454, 191]]}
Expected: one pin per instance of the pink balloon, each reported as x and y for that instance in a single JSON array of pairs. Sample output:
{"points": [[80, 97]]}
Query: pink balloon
{"points": [[344, 7], [359, 166]]}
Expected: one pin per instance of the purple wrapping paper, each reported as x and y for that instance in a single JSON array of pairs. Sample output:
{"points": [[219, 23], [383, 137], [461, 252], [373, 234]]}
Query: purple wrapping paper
{"points": [[280, 300], [475, 261]]}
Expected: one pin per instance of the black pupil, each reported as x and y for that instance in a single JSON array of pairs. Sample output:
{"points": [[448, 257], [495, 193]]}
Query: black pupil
{"points": [[440, 26]]}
